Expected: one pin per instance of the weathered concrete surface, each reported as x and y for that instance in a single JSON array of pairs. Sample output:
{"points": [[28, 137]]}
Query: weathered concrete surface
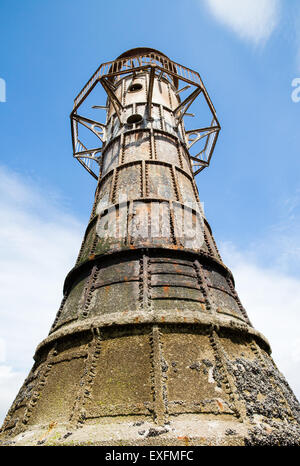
{"points": [[151, 344], [171, 383]]}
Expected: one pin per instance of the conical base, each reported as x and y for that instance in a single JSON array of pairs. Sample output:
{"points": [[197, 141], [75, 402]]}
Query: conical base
{"points": [[184, 430], [180, 382]]}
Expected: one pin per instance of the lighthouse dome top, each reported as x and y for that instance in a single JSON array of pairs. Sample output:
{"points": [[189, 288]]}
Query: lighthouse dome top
{"points": [[140, 51]]}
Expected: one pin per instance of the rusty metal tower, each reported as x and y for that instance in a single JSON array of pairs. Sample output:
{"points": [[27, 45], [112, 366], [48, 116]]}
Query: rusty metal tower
{"points": [[151, 344]]}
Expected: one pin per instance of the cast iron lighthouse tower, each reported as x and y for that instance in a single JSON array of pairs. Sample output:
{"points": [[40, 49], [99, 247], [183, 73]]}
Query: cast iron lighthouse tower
{"points": [[151, 344]]}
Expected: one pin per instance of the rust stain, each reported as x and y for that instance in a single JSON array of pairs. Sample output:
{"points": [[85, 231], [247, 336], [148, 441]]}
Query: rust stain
{"points": [[91, 257], [185, 439], [221, 407], [177, 268], [163, 319], [50, 427], [136, 319], [166, 289]]}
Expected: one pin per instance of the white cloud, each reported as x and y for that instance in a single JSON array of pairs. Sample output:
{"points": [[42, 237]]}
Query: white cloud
{"points": [[298, 48], [294, 28], [39, 244], [272, 301], [252, 20], [295, 350], [279, 246], [2, 350], [10, 383]]}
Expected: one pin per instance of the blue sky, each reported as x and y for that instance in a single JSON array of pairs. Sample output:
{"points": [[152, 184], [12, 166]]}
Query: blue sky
{"points": [[248, 53]]}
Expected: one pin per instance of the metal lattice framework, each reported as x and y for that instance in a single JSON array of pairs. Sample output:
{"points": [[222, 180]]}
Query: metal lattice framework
{"points": [[163, 68]]}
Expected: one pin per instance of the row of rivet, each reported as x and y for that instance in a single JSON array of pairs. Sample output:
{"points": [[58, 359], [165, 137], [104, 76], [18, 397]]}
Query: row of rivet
{"points": [[227, 380]]}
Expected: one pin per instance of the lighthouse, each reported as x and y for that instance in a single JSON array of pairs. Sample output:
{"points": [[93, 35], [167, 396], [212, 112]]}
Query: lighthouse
{"points": [[151, 344]]}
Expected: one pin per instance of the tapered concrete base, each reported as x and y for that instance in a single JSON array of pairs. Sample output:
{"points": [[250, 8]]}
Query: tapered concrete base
{"points": [[181, 430], [175, 383]]}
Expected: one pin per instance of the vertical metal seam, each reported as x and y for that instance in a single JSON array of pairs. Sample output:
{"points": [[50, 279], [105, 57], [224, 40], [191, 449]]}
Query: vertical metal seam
{"points": [[59, 312], [153, 154], [227, 379], [169, 94], [114, 185], [79, 411], [146, 86], [203, 285], [143, 178], [216, 248], [12, 410], [195, 189], [130, 223], [145, 282], [94, 244], [95, 202], [176, 185], [178, 146], [122, 149], [40, 385], [237, 299], [162, 122], [158, 386], [172, 224], [141, 283], [149, 286], [210, 251], [123, 91], [88, 290], [146, 179]]}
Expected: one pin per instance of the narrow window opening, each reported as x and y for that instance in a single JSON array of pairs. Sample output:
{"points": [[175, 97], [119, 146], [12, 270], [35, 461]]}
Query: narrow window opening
{"points": [[135, 118], [135, 87]]}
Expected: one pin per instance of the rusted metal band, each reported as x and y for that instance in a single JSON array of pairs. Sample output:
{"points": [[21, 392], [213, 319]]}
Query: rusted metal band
{"points": [[130, 252], [164, 317]]}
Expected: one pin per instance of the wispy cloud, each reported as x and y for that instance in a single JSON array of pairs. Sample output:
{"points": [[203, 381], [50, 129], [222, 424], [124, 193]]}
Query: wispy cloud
{"points": [[272, 300], [279, 246], [10, 383], [252, 20], [267, 274], [293, 26], [298, 60], [39, 243], [297, 29]]}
